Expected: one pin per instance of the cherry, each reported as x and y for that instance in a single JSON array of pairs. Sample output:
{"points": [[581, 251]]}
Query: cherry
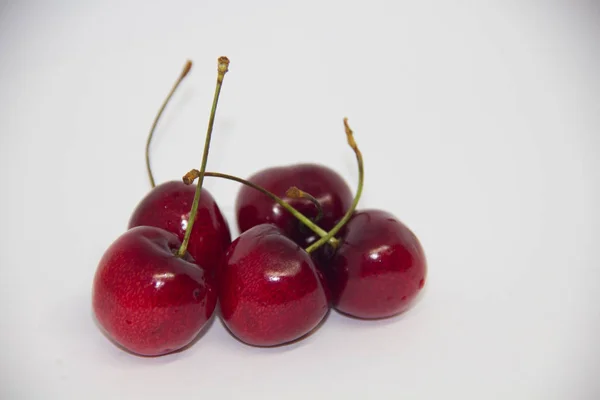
{"points": [[379, 267], [270, 292], [327, 186], [168, 205], [147, 299], [149, 294]]}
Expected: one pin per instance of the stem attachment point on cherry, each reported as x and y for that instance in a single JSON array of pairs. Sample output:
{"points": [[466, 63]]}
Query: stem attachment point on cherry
{"points": [[350, 212], [186, 69], [295, 193], [222, 68]]}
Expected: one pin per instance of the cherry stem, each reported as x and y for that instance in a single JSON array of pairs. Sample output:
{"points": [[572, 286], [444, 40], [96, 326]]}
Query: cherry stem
{"points": [[189, 178], [295, 193], [350, 212], [222, 68], [184, 72]]}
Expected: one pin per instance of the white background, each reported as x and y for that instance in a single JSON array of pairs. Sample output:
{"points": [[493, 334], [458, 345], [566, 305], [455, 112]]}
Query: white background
{"points": [[480, 128]]}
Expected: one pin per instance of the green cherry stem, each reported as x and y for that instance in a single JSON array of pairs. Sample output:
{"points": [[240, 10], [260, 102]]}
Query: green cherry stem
{"points": [[184, 72], [222, 68], [361, 177], [189, 178]]}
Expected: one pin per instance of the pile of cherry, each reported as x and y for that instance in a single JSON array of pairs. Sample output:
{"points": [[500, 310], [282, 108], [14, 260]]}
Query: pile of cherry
{"points": [[303, 248]]}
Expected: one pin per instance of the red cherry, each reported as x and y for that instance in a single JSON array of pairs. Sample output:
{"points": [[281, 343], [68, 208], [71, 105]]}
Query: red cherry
{"points": [[269, 290], [379, 267], [327, 186], [146, 298], [168, 205]]}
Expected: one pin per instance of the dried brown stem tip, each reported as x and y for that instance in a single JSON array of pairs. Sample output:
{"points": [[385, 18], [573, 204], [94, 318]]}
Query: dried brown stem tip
{"points": [[350, 135], [186, 69], [294, 193], [222, 67], [191, 176]]}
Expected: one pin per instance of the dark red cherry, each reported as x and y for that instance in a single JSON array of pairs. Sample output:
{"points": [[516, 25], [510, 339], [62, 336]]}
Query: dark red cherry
{"points": [[168, 206], [324, 283], [146, 298], [330, 189], [379, 268], [270, 292]]}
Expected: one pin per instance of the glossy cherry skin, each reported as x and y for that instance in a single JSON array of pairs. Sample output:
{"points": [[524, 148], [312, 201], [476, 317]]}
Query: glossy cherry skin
{"points": [[379, 268], [269, 290], [168, 206], [148, 300], [254, 208]]}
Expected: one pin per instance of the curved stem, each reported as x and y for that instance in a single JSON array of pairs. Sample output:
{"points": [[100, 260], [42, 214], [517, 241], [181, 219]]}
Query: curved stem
{"points": [[222, 68], [189, 178], [295, 193], [184, 72], [348, 215]]}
